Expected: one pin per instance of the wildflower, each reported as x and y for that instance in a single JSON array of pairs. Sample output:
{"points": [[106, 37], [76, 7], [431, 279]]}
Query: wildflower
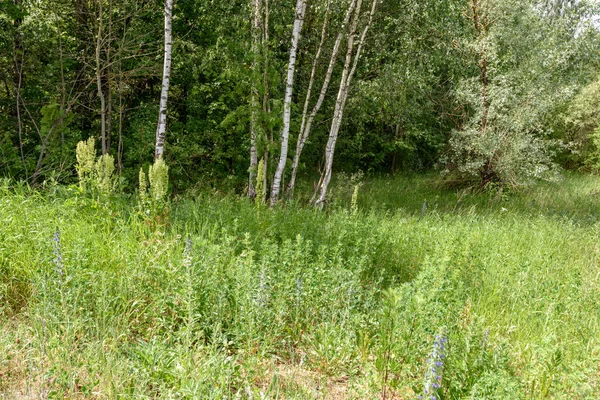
{"points": [[354, 203], [435, 364], [59, 266], [486, 338], [298, 290], [187, 255], [262, 288]]}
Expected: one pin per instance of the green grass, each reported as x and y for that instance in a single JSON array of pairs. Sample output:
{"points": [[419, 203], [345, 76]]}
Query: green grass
{"points": [[294, 303]]}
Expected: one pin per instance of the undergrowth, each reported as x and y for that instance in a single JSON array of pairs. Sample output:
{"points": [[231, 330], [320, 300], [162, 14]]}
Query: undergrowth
{"points": [[475, 296]]}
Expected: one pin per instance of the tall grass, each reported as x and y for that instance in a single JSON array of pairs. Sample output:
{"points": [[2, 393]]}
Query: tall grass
{"points": [[228, 300]]}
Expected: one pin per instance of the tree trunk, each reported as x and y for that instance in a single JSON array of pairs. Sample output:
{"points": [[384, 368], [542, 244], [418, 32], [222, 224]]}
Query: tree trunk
{"points": [[108, 78], [63, 86], [120, 144], [162, 114], [19, 55], [287, 104], [99, 81], [256, 33], [340, 103], [307, 123], [268, 129]]}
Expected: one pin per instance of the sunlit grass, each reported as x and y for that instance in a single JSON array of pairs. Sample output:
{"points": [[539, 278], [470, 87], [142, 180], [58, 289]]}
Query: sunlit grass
{"points": [[296, 303]]}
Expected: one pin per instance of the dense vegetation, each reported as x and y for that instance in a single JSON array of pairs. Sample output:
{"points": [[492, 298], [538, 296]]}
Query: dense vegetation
{"points": [[485, 90], [453, 256], [235, 300]]}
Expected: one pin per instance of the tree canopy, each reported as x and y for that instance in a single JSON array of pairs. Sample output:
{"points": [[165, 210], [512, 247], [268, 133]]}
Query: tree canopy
{"points": [[482, 90]]}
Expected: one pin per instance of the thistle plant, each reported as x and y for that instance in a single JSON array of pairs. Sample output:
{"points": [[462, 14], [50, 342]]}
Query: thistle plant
{"points": [[433, 373]]}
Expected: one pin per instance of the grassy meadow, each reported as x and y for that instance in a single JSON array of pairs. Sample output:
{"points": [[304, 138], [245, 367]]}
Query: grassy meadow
{"points": [[477, 295]]}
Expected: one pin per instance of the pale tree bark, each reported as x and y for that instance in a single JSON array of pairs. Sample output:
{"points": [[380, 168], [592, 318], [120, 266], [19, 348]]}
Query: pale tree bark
{"points": [[162, 114], [268, 130], [340, 104], [338, 107], [287, 103], [256, 34], [307, 121], [99, 81]]}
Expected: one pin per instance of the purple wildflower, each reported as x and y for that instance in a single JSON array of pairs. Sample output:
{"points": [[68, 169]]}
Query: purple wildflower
{"points": [[435, 364], [59, 266], [187, 255]]}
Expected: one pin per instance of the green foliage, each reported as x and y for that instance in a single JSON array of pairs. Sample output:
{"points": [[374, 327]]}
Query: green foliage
{"points": [[506, 138], [94, 174], [414, 102], [229, 302], [104, 170], [261, 191], [86, 156], [143, 186], [593, 157], [158, 175], [576, 125]]}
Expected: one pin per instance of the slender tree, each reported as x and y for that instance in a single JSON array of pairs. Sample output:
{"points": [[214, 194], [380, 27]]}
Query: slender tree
{"points": [[99, 79], [287, 104], [256, 35], [346, 80], [18, 57], [307, 121], [267, 128], [162, 114]]}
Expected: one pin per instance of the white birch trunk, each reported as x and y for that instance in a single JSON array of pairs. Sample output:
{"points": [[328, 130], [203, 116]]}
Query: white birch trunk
{"points": [[307, 122], [162, 113], [256, 33], [287, 104], [268, 131], [341, 100]]}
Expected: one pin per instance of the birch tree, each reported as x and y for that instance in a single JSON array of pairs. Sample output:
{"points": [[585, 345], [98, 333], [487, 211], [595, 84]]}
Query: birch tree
{"points": [[256, 35], [348, 73], [307, 120], [287, 104], [99, 80], [162, 114], [268, 130]]}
